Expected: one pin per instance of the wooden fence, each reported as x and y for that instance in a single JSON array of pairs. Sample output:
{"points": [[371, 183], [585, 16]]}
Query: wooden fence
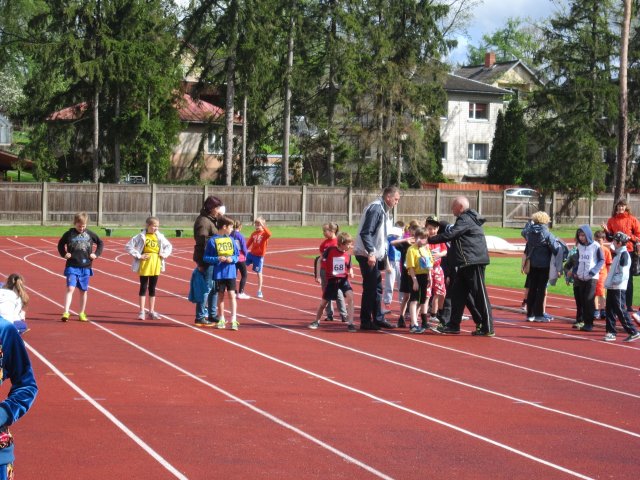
{"points": [[178, 205]]}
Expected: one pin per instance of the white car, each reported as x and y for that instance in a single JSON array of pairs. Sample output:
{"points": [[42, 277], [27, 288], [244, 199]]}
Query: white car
{"points": [[521, 192]]}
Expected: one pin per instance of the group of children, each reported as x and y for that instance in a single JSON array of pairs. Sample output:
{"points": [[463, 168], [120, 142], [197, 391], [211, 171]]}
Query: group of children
{"points": [[594, 268], [416, 264], [228, 252]]}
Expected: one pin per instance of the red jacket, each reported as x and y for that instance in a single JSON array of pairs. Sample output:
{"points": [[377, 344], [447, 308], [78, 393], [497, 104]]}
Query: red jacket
{"points": [[625, 223]]}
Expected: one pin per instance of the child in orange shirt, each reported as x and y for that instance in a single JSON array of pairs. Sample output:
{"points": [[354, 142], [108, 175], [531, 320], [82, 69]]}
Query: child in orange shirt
{"points": [[601, 301], [257, 245]]}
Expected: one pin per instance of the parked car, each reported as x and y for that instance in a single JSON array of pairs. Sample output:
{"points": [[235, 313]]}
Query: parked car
{"points": [[521, 192]]}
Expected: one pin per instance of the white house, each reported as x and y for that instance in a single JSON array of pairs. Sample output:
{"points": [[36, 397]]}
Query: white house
{"points": [[467, 130]]}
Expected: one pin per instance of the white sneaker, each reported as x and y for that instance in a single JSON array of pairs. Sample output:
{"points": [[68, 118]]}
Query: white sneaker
{"points": [[259, 295], [234, 324], [141, 316], [154, 316], [610, 337], [243, 296]]}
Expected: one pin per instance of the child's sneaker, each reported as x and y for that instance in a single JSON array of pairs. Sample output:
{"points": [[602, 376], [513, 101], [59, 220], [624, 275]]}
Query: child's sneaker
{"points": [[259, 295], [401, 322], [141, 316], [243, 296], [329, 318], [83, 317], [596, 315], [314, 325], [610, 337], [222, 323], [633, 337], [635, 317], [154, 316], [351, 328], [414, 329], [235, 324], [578, 325], [65, 316]]}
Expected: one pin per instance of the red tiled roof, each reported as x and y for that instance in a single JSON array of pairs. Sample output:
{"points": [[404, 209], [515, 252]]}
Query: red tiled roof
{"points": [[190, 110], [199, 111], [68, 114]]}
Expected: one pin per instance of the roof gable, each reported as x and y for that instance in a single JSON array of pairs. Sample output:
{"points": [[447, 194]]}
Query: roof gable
{"points": [[455, 83]]}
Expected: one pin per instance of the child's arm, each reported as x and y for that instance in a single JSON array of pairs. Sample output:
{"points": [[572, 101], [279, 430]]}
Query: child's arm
{"points": [[211, 253], [62, 245], [414, 279], [99, 245]]}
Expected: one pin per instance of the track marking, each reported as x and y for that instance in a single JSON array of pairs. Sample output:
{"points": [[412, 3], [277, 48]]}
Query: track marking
{"points": [[93, 401]]}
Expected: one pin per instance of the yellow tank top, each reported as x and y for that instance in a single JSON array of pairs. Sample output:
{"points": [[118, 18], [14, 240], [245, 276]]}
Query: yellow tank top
{"points": [[152, 265]]}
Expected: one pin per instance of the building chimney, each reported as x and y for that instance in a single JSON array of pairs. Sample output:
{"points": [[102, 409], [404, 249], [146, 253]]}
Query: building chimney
{"points": [[489, 59]]}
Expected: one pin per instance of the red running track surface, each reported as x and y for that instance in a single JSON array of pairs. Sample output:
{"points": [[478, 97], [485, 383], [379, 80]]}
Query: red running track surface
{"points": [[123, 398]]}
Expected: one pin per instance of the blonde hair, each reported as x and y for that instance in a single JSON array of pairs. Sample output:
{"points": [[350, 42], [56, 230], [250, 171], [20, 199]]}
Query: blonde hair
{"points": [[15, 282], [344, 238], [80, 217], [331, 226], [151, 220], [541, 217]]}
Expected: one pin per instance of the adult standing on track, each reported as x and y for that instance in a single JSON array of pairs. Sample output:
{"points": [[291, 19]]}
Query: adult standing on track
{"points": [[623, 221], [470, 258], [539, 248], [204, 228], [370, 251]]}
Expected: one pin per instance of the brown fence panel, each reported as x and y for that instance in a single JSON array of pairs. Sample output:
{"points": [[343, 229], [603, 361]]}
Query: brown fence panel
{"points": [[178, 205], [491, 206], [327, 204], [416, 205], [570, 211], [66, 199], [360, 199], [21, 203], [280, 205], [124, 204]]}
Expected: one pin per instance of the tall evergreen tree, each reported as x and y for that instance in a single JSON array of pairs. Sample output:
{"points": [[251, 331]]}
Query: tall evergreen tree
{"points": [[114, 61], [570, 112]]}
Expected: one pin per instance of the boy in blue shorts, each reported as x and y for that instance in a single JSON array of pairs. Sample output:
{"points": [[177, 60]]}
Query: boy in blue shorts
{"points": [[222, 252], [337, 266], [77, 246]]}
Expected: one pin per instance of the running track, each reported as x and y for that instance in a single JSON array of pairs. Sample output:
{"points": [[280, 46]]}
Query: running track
{"points": [[122, 398]]}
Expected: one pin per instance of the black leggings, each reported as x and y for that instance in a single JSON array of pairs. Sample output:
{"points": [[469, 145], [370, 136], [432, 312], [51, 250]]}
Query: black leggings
{"points": [[242, 268], [152, 282]]}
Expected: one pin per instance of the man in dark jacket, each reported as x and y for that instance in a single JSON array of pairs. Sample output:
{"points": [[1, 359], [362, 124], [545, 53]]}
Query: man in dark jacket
{"points": [[469, 258]]}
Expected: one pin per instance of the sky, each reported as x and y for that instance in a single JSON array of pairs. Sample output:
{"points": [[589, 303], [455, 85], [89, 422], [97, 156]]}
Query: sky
{"points": [[492, 15]]}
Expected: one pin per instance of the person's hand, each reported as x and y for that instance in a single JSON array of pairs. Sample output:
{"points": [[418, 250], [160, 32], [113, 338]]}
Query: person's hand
{"points": [[604, 227], [144, 256], [318, 280], [93, 256], [67, 255], [371, 260], [415, 284]]}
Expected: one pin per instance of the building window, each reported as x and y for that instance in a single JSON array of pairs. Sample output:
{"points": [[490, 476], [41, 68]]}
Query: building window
{"points": [[443, 151], [478, 111], [478, 152], [214, 144]]}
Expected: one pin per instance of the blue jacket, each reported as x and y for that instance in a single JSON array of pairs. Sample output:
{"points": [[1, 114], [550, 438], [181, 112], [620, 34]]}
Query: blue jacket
{"points": [[541, 244], [16, 366], [218, 247]]}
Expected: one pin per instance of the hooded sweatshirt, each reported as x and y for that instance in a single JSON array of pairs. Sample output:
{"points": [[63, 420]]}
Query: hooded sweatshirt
{"points": [[619, 271], [540, 244], [590, 256]]}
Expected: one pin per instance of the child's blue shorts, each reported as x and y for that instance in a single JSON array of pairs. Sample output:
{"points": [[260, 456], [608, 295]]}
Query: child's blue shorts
{"points": [[78, 277], [256, 261]]}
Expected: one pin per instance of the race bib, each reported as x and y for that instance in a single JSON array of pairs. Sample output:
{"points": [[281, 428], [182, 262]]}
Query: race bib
{"points": [[339, 267], [224, 246]]}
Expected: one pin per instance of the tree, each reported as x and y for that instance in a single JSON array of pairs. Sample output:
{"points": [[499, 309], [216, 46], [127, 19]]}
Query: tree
{"points": [[578, 53], [117, 59], [508, 160], [517, 40]]}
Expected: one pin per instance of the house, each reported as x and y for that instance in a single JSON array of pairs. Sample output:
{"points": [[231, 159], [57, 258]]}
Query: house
{"points": [[197, 138], [6, 131], [467, 131], [198, 142], [513, 75]]}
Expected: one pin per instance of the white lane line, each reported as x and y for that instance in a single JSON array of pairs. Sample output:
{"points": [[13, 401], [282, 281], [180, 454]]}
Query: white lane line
{"points": [[413, 368], [229, 395], [93, 401]]}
